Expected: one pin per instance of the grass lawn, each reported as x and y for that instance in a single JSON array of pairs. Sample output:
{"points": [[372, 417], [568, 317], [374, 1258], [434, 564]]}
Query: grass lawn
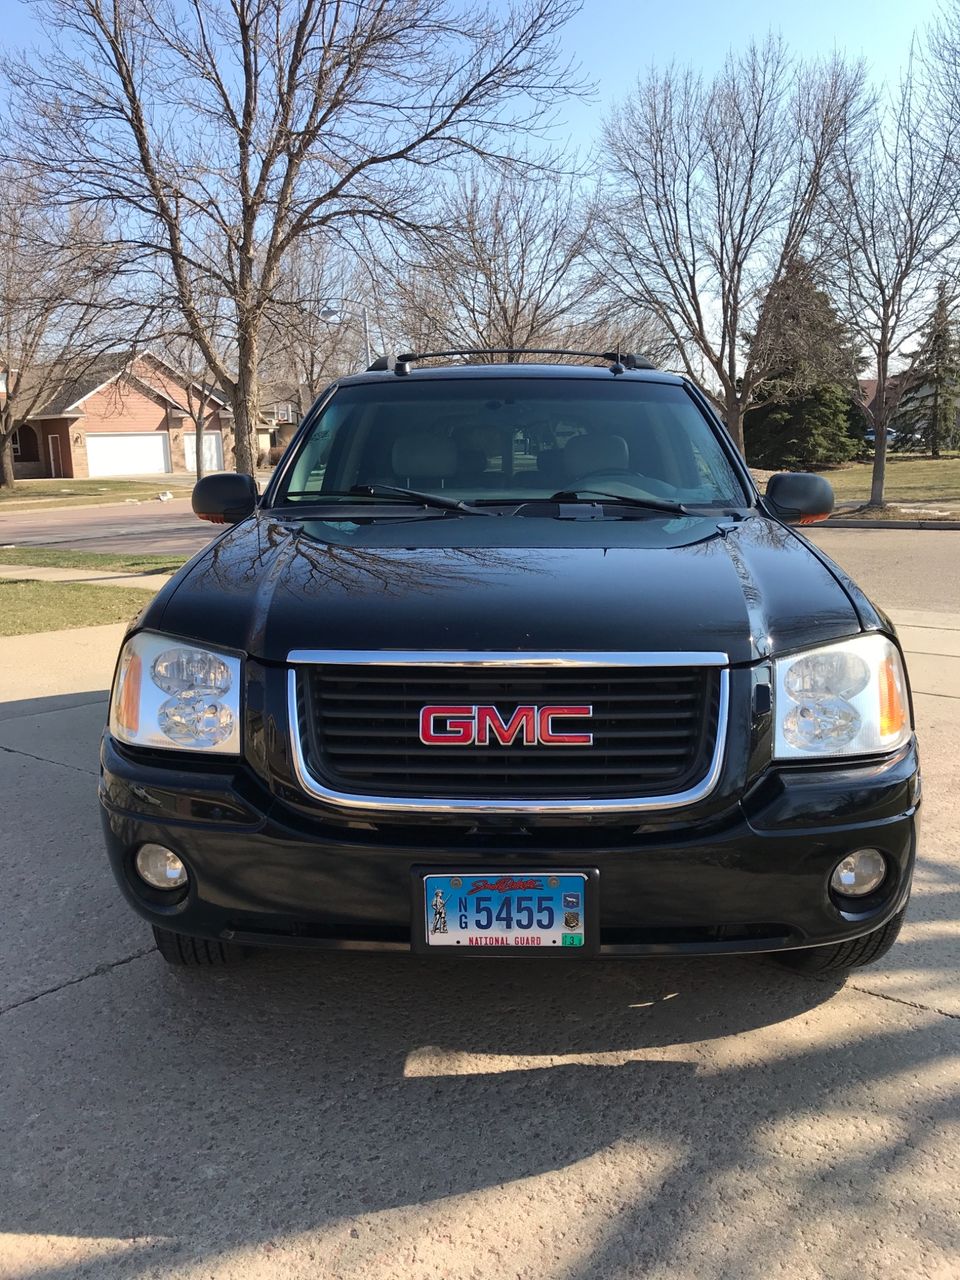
{"points": [[28, 607], [49, 557], [33, 494], [908, 480]]}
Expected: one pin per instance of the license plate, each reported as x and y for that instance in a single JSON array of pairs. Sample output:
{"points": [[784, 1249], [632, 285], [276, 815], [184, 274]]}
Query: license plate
{"points": [[519, 910]]}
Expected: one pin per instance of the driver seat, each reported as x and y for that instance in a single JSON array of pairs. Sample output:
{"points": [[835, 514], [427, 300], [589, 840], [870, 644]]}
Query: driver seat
{"points": [[586, 454], [420, 457]]}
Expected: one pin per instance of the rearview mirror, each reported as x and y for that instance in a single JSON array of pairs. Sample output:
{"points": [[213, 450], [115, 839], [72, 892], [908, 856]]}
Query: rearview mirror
{"points": [[224, 498], [800, 497]]}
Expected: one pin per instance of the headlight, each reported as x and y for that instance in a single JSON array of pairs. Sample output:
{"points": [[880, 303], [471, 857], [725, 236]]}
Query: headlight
{"points": [[176, 695], [847, 699]]}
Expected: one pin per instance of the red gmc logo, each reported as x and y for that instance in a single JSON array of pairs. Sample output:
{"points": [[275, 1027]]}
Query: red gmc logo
{"points": [[480, 726]]}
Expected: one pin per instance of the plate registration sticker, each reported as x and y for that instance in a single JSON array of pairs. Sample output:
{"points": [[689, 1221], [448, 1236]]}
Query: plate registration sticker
{"points": [[535, 909]]}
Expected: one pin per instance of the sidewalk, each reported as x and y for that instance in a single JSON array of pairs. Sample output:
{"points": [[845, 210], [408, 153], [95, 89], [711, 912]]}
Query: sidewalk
{"points": [[96, 577]]}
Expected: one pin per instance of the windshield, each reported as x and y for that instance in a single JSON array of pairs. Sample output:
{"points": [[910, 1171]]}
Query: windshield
{"points": [[508, 439]]}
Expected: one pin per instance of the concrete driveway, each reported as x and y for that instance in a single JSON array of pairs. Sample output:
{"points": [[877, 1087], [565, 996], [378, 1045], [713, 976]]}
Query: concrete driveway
{"points": [[350, 1116]]}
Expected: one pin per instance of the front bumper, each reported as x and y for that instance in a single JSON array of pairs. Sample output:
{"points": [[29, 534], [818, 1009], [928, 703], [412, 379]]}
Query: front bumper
{"points": [[752, 878]]}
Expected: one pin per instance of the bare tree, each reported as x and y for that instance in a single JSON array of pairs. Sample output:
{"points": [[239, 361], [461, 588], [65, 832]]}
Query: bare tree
{"points": [[202, 395], [58, 310], [892, 209], [710, 194], [507, 272], [220, 132], [175, 341], [312, 332]]}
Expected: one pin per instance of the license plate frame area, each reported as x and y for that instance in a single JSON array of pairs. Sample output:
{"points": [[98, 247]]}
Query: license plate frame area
{"points": [[490, 910]]}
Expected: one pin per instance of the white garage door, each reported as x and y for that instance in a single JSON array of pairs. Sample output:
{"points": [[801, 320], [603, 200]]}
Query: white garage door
{"points": [[134, 453], [212, 451]]}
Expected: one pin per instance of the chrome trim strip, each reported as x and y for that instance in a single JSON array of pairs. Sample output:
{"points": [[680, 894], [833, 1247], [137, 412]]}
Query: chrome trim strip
{"points": [[446, 804], [493, 658]]}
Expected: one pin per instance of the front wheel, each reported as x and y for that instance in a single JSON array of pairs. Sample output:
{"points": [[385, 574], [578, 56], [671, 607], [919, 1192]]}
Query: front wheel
{"points": [[845, 955], [196, 953]]}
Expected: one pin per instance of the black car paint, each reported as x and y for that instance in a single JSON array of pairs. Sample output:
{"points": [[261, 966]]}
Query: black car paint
{"points": [[744, 869], [748, 588]]}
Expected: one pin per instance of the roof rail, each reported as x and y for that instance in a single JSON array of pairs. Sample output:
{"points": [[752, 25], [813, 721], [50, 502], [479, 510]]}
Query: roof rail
{"points": [[619, 360]]}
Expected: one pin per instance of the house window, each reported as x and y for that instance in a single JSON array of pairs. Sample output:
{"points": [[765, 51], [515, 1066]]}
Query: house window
{"points": [[16, 444]]}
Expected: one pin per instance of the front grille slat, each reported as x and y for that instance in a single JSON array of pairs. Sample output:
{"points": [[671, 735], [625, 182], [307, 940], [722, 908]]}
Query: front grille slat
{"points": [[654, 730], [364, 694], [387, 728]]}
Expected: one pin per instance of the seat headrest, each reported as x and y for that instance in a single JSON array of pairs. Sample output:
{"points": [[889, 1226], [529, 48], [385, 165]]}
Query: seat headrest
{"points": [[550, 466], [584, 454], [423, 455]]}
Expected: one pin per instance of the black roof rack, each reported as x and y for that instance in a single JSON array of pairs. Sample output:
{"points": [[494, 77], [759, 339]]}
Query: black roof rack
{"points": [[619, 360]]}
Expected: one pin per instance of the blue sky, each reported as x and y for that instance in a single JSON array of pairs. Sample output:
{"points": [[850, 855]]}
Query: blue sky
{"points": [[615, 40]]}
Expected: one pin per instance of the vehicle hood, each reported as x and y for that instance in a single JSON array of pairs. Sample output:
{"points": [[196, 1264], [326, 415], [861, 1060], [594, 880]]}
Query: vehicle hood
{"points": [[746, 588]]}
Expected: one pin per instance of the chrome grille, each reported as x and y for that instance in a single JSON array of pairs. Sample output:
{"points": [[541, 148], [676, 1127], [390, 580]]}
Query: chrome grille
{"points": [[657, 731]]}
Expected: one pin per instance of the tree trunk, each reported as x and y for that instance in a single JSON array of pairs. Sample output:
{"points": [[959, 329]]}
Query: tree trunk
{"points": [[881, 420], [735, 422], [245, 400], [199, 433], [7, 480], [879, 464]]}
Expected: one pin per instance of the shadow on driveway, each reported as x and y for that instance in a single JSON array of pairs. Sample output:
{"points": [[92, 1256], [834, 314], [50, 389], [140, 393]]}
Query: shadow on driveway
{"points": [[227, 1111]]}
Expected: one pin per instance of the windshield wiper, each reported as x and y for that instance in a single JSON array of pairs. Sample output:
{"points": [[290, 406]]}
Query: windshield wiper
{"points": [[439, 500], [648, 504], [331, 497]]}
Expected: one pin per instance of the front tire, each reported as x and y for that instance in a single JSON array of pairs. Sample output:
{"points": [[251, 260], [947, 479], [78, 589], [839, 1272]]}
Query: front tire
{"points": [[196, 953], [845, 955]]}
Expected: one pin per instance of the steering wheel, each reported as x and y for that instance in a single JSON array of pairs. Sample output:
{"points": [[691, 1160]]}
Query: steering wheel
{"points": [[643, 484], [609, 471]]}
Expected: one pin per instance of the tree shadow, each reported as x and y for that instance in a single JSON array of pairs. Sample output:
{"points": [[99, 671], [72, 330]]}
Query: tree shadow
{"points": [[280, 1098]]}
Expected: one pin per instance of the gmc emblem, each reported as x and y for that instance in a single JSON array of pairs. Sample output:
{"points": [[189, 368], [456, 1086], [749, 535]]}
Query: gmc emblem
{"points": [[465, 726]]}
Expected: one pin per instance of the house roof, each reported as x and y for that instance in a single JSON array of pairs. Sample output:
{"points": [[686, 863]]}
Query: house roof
{"points": [[68, 399], [76, 387], [868, 389], [898, 386], [186, 379]]}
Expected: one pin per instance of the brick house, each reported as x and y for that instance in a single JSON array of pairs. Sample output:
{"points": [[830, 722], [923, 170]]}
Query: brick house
{"points": [[282, 405], [125, 416]]}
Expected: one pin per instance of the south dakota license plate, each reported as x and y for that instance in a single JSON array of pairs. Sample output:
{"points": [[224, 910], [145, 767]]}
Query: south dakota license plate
{"points": [[533, 910]]}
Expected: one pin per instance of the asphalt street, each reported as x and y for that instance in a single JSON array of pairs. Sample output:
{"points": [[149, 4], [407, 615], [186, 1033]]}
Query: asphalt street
{"points": [[369, 1117], [157, 527]]}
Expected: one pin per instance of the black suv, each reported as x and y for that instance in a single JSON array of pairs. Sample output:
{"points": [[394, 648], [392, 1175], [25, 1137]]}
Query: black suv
{"points": [[513, 656]]}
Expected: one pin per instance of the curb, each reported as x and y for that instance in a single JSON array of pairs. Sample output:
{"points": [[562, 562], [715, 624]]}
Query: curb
{"points": [[889, 524], [49, 504]]}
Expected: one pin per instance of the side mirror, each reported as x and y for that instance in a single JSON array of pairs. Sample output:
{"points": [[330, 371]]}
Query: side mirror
{"points": [[224, 498], [800, 497]]}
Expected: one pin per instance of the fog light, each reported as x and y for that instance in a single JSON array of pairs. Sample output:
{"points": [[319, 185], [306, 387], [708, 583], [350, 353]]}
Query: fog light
{"points": [[859, 873], [160, 867]]}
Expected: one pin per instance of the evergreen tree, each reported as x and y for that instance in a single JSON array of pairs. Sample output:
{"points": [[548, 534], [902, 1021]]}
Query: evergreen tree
{"points": [[804, 432], [929, 407], [805, 416]]}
